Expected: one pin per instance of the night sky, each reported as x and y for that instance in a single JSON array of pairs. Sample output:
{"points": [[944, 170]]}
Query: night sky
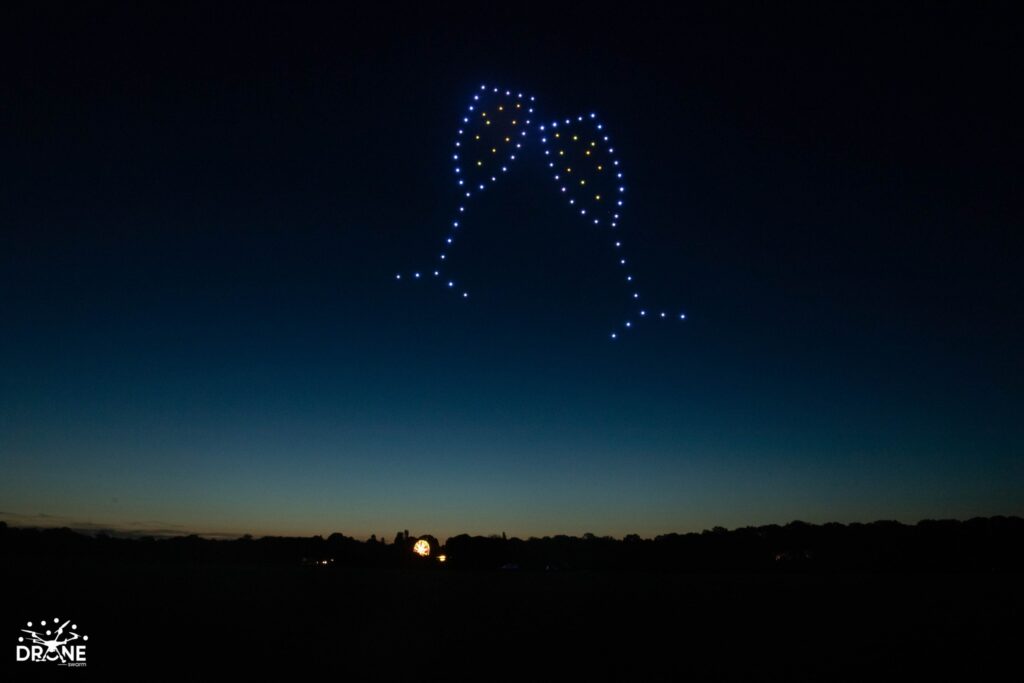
{"points": [[202, 211]]}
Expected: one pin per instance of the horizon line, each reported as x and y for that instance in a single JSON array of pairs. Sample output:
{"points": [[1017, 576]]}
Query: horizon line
{"points": [[169, 531]]}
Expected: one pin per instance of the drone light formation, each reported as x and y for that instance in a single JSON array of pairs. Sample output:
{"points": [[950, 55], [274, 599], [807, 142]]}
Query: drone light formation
{"points": [[578, 157]]}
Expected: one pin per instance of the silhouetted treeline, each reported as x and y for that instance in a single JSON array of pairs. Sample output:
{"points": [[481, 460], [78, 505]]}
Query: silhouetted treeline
{"points": [[993, 543]]}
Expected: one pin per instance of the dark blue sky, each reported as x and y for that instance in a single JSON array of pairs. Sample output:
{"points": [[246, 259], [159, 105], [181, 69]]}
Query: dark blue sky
{"points": [[202, 211]]}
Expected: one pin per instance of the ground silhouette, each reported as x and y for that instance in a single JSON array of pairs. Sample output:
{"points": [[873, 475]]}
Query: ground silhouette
{"points": [[798, 601]]}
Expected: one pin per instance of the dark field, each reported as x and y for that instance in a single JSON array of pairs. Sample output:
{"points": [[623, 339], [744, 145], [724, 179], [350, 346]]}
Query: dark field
{"points": [[148, 619]]}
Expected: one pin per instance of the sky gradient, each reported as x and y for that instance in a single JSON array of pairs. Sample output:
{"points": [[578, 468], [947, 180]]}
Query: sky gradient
{"points": [[203, 211]]}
